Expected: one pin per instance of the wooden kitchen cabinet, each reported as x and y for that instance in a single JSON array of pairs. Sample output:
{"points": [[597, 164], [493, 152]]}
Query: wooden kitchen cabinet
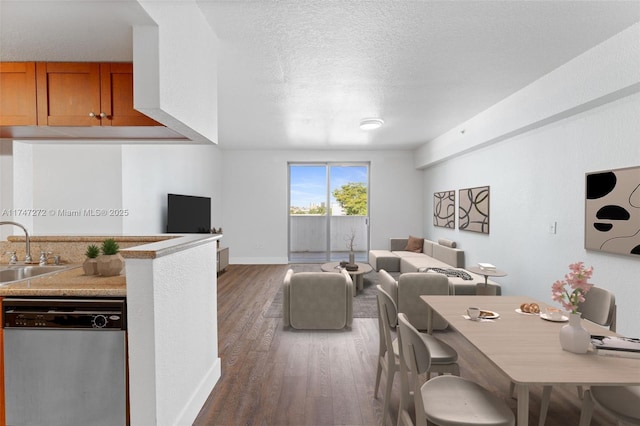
{"points": [[18, 94], [87, 94], [2, 410], [68, 93], [117, 97]]}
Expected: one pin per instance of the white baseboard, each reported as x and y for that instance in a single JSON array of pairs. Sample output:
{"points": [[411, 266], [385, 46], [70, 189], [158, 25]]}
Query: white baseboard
{"points": [[200, 395], [258, 260]]}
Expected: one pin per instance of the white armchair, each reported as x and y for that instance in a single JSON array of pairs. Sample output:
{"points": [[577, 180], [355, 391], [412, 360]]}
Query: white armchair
{"points": [[317, 300]]}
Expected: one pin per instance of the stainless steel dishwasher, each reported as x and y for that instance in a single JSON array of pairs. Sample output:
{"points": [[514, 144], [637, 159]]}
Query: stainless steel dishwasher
{"points": [[65, 362]]}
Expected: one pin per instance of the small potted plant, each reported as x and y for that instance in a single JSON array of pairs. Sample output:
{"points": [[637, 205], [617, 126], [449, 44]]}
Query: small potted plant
{"points": [[90, 265], [110, 262]]}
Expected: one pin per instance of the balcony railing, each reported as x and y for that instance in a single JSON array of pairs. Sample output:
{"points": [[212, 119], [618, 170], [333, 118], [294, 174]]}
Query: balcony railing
{"points": [[308, 234]]}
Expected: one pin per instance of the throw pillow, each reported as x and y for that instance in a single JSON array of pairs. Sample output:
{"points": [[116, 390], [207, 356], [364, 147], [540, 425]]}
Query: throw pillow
{"points": [[414, 244], [447, 243]]}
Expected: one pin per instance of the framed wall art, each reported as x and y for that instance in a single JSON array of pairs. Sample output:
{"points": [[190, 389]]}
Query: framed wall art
{"points": [[444, 209], [612, 211], [473, 209]]}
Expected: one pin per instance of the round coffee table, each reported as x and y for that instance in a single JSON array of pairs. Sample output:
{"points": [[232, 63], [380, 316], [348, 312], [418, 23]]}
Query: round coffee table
{"points": [[357, 276]]}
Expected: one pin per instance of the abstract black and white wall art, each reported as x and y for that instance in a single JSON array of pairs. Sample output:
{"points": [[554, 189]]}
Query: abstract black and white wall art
{"points": [[612, 211], [444, 209], [473, 209]]}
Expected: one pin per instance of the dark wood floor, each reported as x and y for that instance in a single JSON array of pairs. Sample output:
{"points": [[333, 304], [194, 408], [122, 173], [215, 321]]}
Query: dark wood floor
{"points": [[272, 376]]}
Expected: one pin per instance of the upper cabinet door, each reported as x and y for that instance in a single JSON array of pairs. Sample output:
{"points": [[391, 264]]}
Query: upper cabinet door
{"points": [[68, 94], [18, 94], [117, 97]]}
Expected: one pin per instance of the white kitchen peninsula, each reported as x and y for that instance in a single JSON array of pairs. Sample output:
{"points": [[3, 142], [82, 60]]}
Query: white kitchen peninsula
{"points": [[172, 328]]}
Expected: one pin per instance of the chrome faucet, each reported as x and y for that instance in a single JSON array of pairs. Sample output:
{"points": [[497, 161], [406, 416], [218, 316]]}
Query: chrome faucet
{"points": [[14, 259], [44, 258], [27, 257]]}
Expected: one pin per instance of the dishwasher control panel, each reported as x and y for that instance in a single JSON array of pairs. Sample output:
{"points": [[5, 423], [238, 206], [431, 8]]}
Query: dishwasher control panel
{"points": [[107, 314]]}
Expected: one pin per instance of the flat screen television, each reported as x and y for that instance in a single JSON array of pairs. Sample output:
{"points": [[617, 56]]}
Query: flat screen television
{"points": [[188, 214]]}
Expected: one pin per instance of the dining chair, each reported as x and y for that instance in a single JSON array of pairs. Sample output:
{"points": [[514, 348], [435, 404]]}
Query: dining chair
{"points": [[622, 402], [445, 400], [599, 307], [387, 356], [444, 357]]}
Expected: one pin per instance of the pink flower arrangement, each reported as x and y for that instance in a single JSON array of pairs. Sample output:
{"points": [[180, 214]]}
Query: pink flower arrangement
{"points": [[576, 279]]}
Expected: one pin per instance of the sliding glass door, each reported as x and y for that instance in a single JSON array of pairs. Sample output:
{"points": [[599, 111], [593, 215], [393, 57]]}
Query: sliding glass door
{"points": [[328, 211]]}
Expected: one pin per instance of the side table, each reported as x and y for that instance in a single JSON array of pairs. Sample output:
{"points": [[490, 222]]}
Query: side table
{"points": [[484, 289]]}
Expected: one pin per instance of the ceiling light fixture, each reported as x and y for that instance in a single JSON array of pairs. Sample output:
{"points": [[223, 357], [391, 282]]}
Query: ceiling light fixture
{"points": [[371, 123]]}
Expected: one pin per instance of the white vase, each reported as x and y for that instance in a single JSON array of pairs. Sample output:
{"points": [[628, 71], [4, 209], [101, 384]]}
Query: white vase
{"points": [[573, 337], [352, 258]]}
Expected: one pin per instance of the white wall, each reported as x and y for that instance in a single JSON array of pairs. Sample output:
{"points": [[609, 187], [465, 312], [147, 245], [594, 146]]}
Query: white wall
{"points": [[150, 172], [14, 199], [173, 333], [537, 177], [70, 179], [255, 193], [132, 178], [175, 69], [6, 187]]}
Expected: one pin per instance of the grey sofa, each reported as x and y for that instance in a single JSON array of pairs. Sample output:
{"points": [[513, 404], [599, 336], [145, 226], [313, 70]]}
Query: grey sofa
{"points": [[317, 300], [442, 254]]}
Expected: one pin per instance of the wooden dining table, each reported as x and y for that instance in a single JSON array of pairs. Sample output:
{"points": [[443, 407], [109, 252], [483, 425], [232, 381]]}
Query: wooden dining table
{"points": [[526, 348]]}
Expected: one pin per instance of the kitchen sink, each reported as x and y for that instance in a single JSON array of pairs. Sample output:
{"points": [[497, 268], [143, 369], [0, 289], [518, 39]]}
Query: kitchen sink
{"points": [[12, 273]]}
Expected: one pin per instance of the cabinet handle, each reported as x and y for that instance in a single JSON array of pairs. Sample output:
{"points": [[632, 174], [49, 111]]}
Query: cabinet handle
{"points": [[103, 115], [91, 114]]}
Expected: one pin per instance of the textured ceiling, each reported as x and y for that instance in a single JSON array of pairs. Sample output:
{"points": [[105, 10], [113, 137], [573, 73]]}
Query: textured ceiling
{"points": [[302, 74]]}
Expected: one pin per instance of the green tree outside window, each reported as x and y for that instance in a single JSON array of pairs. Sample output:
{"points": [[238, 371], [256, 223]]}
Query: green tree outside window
{"points": [[352, 197]]}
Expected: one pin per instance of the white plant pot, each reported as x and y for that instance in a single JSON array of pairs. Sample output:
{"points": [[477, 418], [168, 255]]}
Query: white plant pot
{"points": [[573, 337], [90, 266], [110, 265]]}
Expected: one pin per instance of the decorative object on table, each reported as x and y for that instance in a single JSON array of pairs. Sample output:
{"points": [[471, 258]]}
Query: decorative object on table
{"points": [[473, 209], [553, 314], [217, 231], [487, 266], [573, 337], [473, 313], [351, 245], [110, 262], [530, 308], [90, 264], [618, 346], [444, 209], [351, 267], [612, 216]]}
